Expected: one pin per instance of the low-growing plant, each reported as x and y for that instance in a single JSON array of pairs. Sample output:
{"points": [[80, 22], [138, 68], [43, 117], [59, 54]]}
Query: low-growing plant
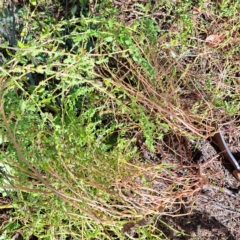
{"points": [[78, 90]]}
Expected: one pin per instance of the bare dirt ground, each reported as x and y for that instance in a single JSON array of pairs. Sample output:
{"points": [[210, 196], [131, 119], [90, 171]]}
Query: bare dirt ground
{"points": [[215, 213]]}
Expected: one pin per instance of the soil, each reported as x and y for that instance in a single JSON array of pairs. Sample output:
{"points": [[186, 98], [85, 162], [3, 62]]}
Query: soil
{"points": [[216, 212]]}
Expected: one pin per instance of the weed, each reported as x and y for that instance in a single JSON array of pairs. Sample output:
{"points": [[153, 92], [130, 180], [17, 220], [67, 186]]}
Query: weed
{"points": [[77, 92]]}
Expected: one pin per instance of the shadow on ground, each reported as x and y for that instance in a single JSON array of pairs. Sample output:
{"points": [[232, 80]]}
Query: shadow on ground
{"points": [[198, 225]]}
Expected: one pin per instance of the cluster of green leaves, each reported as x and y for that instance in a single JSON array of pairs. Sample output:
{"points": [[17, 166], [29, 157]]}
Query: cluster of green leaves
{"points": [[61, 122]]}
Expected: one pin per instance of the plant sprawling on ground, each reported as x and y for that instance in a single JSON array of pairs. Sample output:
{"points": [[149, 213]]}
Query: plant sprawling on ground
{"points": [[87, 88]]}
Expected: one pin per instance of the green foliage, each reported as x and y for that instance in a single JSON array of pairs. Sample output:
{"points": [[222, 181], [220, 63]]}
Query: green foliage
{"points": [[75, 93]]}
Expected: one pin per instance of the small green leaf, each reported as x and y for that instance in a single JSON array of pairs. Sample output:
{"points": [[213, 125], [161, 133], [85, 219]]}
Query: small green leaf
{"points": [[128, 42], [39, 69], [41, 90], [33, 2], [21, 45], [23, 106], [108, 39], [110, 23]]}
